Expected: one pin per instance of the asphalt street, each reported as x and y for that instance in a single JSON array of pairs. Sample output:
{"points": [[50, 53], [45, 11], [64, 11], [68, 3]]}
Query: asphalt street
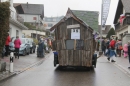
{"points": [[45, 74]]}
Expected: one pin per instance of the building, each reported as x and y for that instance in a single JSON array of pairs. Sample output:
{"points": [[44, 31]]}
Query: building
{"points": [[51, 21], [32, 14], [105, 31], [16, 22], [122, 19]]}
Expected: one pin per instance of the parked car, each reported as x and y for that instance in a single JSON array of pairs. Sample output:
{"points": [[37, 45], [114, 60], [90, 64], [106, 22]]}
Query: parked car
{"points": [[24, 47], [32, 45]]}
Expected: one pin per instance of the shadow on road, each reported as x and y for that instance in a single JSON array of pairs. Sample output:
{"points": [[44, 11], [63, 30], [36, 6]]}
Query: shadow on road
{"points": [[74, 69]]}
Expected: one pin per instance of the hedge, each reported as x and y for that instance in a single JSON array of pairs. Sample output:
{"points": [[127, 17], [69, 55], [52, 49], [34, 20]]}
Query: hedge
{"points": [[4, 23]]}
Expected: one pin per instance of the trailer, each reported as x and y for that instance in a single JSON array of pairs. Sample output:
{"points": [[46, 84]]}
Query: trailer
{"points": [[74, 43]]}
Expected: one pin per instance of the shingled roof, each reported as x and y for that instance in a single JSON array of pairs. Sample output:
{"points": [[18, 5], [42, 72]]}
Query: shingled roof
{"points": [[36, 9], [107, 28], [89, 17], [70, 14], [126, 4], [119, 11]]}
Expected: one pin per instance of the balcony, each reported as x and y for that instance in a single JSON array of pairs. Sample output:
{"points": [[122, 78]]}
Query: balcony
{"points": [[15, 16], [126, 22]]}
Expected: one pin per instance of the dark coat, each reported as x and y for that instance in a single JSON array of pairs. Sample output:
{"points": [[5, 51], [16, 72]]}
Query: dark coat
{"points": [[41, 46], [103, 45], [129, 49]]}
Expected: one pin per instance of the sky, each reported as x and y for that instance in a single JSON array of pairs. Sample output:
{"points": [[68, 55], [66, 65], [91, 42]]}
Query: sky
{"points": [[54, 8]]}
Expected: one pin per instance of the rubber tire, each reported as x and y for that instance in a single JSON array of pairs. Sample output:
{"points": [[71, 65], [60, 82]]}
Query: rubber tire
{"points": [[31, 50], [54, 63], [95, 60], [25, 53]]}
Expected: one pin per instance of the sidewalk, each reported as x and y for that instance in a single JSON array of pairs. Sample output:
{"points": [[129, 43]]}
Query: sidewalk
{"points": [[122, 63], [20, 65]]}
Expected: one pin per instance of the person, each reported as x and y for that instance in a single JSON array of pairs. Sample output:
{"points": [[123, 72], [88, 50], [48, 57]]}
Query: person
{"points": [[103, 45], [118, 47], [107, 47], [112, 51], [7, 45], [129, 51], [41, 47], [17, 44], [3, 52], [125, 50]]}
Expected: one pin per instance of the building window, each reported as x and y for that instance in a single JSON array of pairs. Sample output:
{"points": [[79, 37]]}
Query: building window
{"points": [[34, 18], [50, 25], [54, 19], [17, 33]]}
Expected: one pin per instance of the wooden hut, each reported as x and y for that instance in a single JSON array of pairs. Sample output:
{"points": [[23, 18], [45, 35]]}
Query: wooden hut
{"points": [[74, 41]]}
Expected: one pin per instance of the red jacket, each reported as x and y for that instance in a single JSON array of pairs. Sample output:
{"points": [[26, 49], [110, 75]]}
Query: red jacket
{"points": [[17, 43], [112, 44], [7, 40]]}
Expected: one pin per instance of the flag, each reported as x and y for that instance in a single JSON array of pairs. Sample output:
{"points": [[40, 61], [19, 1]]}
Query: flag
{"points": [[122, 17]]}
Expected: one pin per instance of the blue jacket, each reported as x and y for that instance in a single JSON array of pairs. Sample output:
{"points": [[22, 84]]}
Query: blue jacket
{"points": [[112, 53]]}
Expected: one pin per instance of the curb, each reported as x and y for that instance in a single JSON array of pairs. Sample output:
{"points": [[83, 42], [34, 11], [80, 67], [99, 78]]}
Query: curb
{"points": [[25, 69], [8, 76], [32, 65], [120, 68]]}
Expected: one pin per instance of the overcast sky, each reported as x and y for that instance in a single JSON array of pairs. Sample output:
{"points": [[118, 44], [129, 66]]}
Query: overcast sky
{"points": [[59, 7]]}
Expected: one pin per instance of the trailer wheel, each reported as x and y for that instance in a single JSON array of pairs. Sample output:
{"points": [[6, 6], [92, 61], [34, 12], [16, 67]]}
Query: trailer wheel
{"points": [[94, 60], [54, 63], [55, 60]]}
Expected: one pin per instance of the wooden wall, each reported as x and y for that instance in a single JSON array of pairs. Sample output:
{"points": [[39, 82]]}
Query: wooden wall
{"points": [[81, 57]]}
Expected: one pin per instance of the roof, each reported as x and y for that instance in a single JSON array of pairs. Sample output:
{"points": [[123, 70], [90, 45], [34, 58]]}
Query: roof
{"points": [[70, 14], [119, 11], [126, 4], [107, 28], [89, 17], [36, 9]]}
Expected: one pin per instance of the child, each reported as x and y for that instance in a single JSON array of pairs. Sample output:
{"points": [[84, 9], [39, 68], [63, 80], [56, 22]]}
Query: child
{"points": [[125, 50]]}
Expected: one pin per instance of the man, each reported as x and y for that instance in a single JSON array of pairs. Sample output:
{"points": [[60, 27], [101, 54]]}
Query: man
{"points": [[41, 47], [112, 51], [7, 45], [103, 45], [129, 51]]}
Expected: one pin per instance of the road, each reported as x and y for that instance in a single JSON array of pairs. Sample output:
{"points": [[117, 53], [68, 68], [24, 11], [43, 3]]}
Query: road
{"points": [[106, 74]]}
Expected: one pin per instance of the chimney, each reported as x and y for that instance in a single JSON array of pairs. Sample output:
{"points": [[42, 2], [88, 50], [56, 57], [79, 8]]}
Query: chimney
{"points": [[27, 4]]}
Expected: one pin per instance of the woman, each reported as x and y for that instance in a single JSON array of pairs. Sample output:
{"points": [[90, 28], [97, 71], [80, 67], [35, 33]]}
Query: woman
{"points": [[17, 44], [125, 50]]}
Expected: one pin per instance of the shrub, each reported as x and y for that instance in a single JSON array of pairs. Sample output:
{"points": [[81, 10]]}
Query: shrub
{"points": [[111, 32], [4, 23], [35, 41]]}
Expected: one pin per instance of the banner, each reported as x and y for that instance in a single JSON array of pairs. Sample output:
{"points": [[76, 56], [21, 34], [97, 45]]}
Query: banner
{"points": [[105, 11]]}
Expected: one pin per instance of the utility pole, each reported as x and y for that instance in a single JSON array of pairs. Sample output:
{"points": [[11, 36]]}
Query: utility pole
{"points": [[100, 48], [104, 14], [36, 28]]}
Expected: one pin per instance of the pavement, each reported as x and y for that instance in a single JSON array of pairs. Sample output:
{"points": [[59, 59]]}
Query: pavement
{"points": [[26, 62], [20, 65]]}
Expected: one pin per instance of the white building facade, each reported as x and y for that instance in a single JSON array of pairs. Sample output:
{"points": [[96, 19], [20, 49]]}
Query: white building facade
{"points": [[15, 26]]}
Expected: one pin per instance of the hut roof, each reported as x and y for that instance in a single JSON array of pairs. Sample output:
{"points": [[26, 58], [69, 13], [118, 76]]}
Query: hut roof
{"points": [[89, 17], [68, 15]]}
